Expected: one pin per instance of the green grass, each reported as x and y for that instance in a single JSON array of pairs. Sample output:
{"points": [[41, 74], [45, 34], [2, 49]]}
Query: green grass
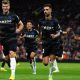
{"points": [[68, 71]]}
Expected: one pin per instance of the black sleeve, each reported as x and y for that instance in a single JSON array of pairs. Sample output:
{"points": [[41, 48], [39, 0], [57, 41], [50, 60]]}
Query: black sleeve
{"points": [[37, 32], [17, 19], [58, 27], [39, 27]]}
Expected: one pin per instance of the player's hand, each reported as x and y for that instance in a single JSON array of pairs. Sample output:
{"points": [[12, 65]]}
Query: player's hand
{"points": [[53, 36], [17, 31]]}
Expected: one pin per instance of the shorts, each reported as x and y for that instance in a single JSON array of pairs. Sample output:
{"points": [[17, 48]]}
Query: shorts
{"points": [[52, 48], [9, 45], [31, 48]]}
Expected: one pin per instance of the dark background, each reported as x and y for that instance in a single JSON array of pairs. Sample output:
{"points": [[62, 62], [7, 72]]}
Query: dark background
{"points": [[33, 8]]}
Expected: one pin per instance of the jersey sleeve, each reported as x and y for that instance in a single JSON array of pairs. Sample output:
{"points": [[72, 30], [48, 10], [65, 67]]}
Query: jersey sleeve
{"points": [[58, 27], [17, 19], [39, 26], [36, 32]]}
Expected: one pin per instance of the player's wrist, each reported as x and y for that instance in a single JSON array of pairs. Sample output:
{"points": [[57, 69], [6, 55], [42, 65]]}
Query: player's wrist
{"points": [[17, 30]]}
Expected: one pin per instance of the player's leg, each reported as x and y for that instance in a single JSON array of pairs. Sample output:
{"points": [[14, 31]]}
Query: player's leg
{"points": [[45, 60], [55, 66], [12, 54], [33, 50], [3, 63], [45, 57], [5, 60], [52, 49], [47, 50], [33, 62], [58, 54], [2, 66], [56, 51], [12, 64], [45, 54], [52, 59]]}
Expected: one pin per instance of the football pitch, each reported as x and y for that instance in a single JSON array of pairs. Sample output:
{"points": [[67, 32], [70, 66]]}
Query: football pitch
{"points": [[68, 71]]}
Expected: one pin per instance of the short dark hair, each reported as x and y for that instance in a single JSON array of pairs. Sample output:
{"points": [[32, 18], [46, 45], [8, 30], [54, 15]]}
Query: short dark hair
{"points": [[5, 2], [47, 5], [29, 21]]}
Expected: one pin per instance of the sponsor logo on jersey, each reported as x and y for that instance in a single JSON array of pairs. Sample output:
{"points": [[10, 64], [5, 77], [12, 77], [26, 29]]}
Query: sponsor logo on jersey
{"points": [[6, 21]]}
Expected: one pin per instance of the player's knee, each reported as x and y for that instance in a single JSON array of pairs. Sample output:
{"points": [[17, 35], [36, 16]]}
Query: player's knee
{"points": [[32, 55], [12, 54], [45, 64]]}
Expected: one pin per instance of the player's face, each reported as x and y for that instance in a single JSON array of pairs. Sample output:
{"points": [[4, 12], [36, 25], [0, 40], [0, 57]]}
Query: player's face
{"points": [[29, 25], [47, 11], [5, 8]]}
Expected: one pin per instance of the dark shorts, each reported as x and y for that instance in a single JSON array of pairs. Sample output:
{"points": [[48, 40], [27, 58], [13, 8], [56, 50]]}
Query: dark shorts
{"points": [[9, 45], [52, 48], [30, 48]]}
